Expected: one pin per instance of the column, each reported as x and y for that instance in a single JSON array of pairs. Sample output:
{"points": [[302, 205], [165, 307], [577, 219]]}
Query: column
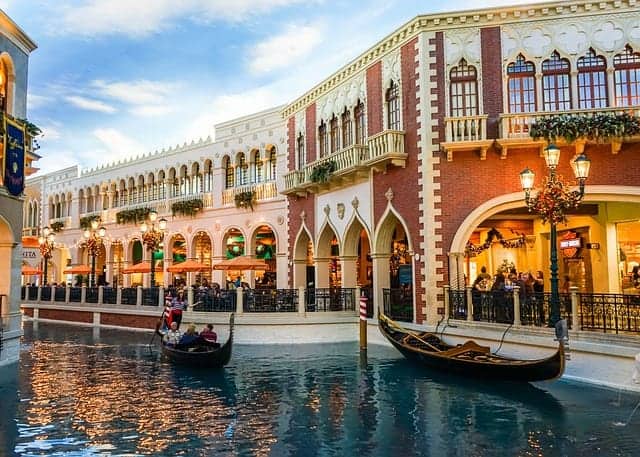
{"points": [[575, 102], [381, 280], [299, 274], [322, 273], [611, 85], [349, 271], [282, 273]]}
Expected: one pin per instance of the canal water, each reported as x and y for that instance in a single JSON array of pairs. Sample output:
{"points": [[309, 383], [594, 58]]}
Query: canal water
{"points": [[79, 392]]}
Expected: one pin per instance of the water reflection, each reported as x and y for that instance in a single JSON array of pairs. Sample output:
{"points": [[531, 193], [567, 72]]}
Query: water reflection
{"points": [[106, 394]]}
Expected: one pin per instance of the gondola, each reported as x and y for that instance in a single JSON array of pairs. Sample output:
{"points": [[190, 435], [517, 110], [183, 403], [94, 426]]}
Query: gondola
{"points": [[470, 359], [204, 355]]}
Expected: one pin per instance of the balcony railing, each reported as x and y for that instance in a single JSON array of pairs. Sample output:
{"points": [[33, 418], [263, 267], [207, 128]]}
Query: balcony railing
{"points": [[383, 149], [262, 190], [467, 128]]}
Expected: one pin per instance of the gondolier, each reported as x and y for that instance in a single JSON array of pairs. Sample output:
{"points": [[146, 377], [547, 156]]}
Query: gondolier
{"points": [[178, 305]]}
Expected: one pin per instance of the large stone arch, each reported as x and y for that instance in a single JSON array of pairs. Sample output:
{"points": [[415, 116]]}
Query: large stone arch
{"points": [[7, 61], [355, 256], [300, 246], [323, 253]]}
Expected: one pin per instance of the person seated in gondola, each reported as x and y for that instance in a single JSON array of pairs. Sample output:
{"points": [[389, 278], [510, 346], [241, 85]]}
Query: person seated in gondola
{"points": [[173, 336], [189, 339], [208, 335]]}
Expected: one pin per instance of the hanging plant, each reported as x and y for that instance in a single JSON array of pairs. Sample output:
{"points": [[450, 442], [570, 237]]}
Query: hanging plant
{"points": [[322, 172], [600, 127], [187, 207], [245, 199], [132, 216], [57, 226], [85, 222]]}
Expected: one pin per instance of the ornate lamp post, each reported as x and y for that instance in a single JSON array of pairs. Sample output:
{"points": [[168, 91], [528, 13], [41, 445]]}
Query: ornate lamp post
{"points": [[94, 236], [552, 203], [47, 243], [152, 237]]}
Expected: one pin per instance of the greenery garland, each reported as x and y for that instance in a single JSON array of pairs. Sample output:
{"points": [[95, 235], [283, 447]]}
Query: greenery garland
{"points": [[600, 127], [245, 199], [472, 250], [187, 207], [322, 172], [85, 222], [57, 226], [132, 215]]}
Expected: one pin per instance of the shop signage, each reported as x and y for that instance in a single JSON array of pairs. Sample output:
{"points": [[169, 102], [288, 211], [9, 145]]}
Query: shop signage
{"points": [[14, 157], [574, 243], [570, 244], [29, 253]]}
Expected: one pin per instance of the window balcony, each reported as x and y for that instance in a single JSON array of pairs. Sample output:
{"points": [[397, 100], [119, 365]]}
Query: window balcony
{"points": [[515, 128], [263, 191], [348, 165], [466, 133]]}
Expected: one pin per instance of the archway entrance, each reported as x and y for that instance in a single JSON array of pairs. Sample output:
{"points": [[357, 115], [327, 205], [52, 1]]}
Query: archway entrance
{"points": [[202, 252], [264, 243], [178, 254], [117, 262], [137, 254], [328, 264], [234, 245], [303, 266]]}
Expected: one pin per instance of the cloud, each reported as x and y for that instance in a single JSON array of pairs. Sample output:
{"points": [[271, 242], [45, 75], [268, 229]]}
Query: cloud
{"points": [[116, 145], [146, 98], [50, 132], [35, 101], [141, 18], [90, 104], [279, 51]]}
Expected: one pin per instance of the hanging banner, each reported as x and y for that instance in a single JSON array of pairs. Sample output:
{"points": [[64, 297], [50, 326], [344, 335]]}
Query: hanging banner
{"points": [[14, 157]]}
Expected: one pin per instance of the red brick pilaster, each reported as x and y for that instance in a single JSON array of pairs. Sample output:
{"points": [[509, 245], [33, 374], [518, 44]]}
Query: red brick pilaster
{"points": [[491, 77], [374, 99]]}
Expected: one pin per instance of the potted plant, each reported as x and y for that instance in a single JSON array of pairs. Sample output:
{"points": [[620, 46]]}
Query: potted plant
{"points": [[245, 199], [132, 215], [57, 226], [187, 207], [322, 172]]}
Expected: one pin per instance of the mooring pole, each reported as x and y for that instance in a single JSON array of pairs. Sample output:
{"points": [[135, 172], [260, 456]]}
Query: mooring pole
{"points": [[363, 323]]}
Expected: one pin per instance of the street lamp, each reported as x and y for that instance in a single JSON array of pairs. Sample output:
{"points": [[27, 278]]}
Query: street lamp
{"points": [[152, 237], [94, 236], [552, 202], [47, 243]]}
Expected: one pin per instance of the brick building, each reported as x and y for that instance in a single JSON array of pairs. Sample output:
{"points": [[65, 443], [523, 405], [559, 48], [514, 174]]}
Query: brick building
{"points": [[404, 164]]}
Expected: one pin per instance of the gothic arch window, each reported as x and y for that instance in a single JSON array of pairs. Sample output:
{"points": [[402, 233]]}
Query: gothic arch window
{"points": [[242, 170], [521, 86], [323, 138], [556, 89], [272, 164], [361, 123], [256, 162], [347, 138], [392, 98], [463, 90], [228, 172], [627, 77], [592, 81], [302, 158]]}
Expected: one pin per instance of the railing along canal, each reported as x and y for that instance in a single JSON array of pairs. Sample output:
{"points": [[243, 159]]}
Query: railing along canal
{"points": [[330, 299], [608, 313], [398, 304]]}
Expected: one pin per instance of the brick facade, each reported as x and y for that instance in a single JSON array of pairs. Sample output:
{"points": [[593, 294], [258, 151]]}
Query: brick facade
{"points": [[128, 320], [492, 89], [374, 99], [65, 315], [310, 117]]}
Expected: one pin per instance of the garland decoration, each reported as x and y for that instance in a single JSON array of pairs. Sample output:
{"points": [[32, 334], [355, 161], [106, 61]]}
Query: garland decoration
{"points": [[245, 199], [553, 201], [85, 222], [187, 207], [322, 172], [471, 250], [132, 215], [600, 127]]}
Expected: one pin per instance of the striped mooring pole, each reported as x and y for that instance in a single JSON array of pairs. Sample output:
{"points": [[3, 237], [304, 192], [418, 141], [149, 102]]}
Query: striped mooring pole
{"points": [[363, 323]]}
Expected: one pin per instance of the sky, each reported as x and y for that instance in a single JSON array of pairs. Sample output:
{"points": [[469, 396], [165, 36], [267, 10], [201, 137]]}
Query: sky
{"points": [[113, 79]]}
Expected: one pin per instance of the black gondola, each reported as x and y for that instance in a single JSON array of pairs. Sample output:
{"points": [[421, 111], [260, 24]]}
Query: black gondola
{"points": [[205, 355], [469, 359]]}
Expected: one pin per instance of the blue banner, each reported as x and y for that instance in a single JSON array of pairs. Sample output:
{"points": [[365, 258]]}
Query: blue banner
{"points": [[14, 157]]}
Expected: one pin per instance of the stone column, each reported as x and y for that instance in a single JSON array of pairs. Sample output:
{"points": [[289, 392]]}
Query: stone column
{"points": [[349, 271], [322, 273], [282, 273], [381, 280]]}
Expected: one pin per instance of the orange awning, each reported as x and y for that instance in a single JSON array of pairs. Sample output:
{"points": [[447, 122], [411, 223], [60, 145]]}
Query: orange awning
{"points": [[28, 270], [142, 267], [30, 242], [188, 265], [77, 270], [241, 263]]}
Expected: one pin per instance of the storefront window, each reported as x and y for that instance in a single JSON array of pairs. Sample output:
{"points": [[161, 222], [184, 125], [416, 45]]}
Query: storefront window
{"points": [[628, 234]]}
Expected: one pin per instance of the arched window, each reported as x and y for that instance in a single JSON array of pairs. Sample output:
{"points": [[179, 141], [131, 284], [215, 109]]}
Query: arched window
{"points": [[361, 123], [302, 158], [627, 77], [272, 164], [556, 89], [346, 128], [162, 185], [228, 173], [242, 170], [4, 87], [463, 90], [521, 86], [257, 166], [208, 172], [393, 107], [592, 81], [323, 139], [335, 137]]}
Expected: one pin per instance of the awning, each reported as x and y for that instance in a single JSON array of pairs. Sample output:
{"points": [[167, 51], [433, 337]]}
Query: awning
{"points": [[77, 270], [188, 265], [28, 270], [142, 267], [241, 263]]}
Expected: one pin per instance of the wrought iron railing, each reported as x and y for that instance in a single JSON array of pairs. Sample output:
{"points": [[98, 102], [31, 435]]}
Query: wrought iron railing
{"points": [[109, 295], [368, 292], [32, 293], [398, 304], [330, 299], [23, 293], [45, 294], [270, 301], [129, 296], [213, 300], [60, 294], [458, 304], [75, 294], [610, 313], [150, 296], [91, 295]]}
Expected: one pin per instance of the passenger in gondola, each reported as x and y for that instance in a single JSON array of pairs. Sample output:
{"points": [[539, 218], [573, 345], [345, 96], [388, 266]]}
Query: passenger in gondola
{"points": [[190, 338], [208, 335], [173, 336]]}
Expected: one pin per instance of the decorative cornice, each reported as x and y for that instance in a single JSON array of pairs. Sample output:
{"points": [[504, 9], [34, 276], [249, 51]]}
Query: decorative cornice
{"points": [[485, 17], [16, 34]]}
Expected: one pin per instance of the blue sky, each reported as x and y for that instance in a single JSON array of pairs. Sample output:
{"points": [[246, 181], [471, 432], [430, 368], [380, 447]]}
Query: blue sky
{"points": [[117, 78]]}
